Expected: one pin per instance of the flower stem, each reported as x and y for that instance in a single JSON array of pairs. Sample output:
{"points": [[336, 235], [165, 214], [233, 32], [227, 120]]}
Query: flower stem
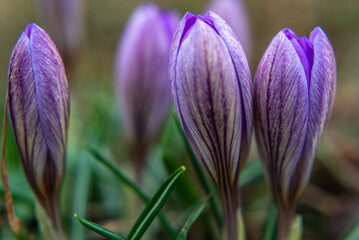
{"points": [[229, 200], [285, 217], [50, 226]]}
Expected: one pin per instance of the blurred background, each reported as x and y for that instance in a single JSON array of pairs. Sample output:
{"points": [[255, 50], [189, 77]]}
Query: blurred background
{"points": [[329, 205]]}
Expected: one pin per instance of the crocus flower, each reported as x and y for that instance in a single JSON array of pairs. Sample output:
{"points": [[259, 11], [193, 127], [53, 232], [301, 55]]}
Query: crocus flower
{"points": [[64, 21], [235, 14], [211, 87], [142, 77], [294, 90], [38, 105]]}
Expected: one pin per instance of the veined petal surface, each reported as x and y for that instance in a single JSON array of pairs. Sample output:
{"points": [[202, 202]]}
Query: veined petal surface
{"points": [[280, 112], [206, 95], [38, 103]]}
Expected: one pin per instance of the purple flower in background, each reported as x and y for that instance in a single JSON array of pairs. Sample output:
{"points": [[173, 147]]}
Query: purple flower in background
{"points": [[294, 90], [142, 77], [235, 14], [211, 87], [64, 21], [38, 105]]}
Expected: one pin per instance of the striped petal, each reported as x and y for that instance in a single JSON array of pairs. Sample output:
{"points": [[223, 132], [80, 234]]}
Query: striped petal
{"points": [[39, 109], [321, 97], [280, 112], [244, 82], [207, 97]]}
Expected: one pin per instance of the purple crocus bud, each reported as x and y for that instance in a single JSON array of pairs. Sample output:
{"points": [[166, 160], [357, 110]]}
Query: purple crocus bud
{"points": [[64, 21], [211, 87], [38, 105], [235, 14], [142, 77], [294, 90]]}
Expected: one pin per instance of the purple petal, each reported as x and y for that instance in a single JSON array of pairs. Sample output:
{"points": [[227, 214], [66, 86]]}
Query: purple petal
{"points": [[142, 72], [321, 96], [304, 49], [280, 111], [244, 81], [39, 108], [52, 92], [206, 95]]}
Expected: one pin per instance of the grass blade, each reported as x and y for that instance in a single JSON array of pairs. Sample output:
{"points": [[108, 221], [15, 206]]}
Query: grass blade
{"points": [[270, 223], [99, 229], [192, 218], [155, 205], [131, 185], [251, 171]]}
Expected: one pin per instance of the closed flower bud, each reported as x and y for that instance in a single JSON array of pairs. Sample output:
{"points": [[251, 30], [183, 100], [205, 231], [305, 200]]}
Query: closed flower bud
{"points": [[38, 105], [235, 14], [294, 90], [142, 77], [211, 88], [65, 23]]}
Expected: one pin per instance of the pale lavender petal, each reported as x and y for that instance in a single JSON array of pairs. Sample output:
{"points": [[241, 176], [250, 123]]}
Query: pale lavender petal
{"points": [[244, 81], [64, 21], [206, 95], [142, 72], [280, 111]]}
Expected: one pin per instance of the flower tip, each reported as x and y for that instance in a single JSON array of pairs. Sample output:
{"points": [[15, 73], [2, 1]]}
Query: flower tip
{"points": [[28, 29], [317, 30]]}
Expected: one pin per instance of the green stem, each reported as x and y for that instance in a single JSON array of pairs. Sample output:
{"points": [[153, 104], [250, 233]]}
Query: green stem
{"points": [[229, 200], [285, 217], [50, 227]]}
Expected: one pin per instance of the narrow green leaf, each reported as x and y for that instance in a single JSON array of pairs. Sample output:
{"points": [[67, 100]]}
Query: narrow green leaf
{"points": [[251, 171], [186, 191], [155, 205], [205, 181], [99, 229], [131, 185], [125, 180], [81, 186], [352, 233], [192, 218], [296, 228], [270, 223]]}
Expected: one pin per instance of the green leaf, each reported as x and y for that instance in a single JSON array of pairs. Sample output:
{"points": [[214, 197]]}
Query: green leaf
{"points": [[186, 192], [296, 228], [352, 233], [252, 170], [81, 186], [155, 205], [125, 180], [205, 181], [270, 225], [131, 185], [192, 218], [99, 229]]}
